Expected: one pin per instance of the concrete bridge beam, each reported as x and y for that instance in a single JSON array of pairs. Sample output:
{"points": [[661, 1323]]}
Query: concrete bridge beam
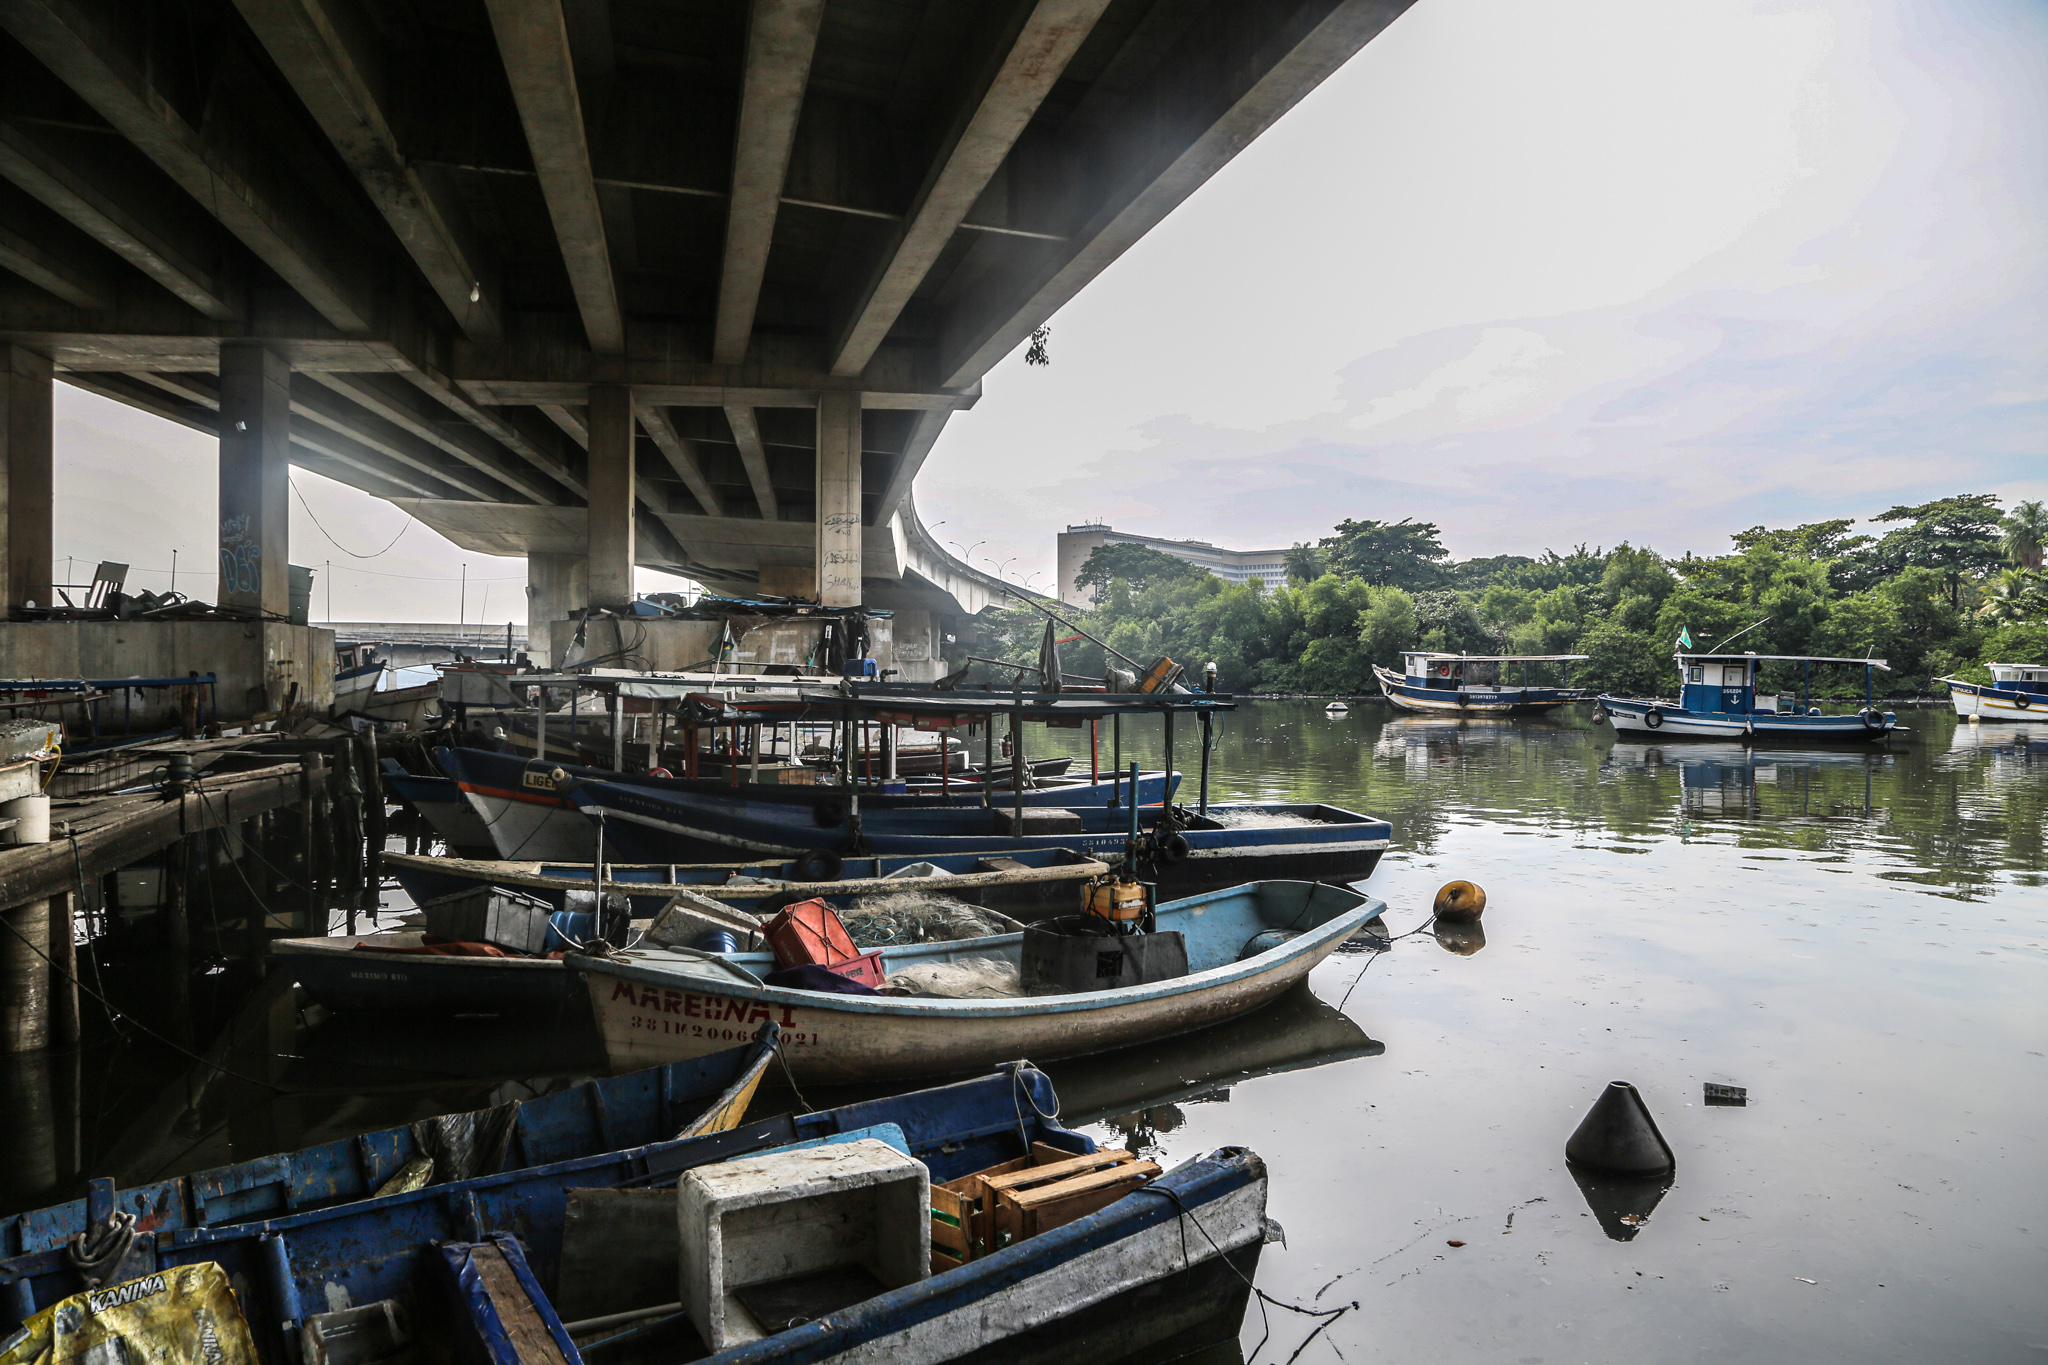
{"points": [[838, 499], [27, 491], [255, 480], [612, 495]]}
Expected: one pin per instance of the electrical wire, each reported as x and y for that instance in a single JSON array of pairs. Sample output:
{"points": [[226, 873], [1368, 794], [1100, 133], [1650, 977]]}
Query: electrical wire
{"points": [[330, 535]]}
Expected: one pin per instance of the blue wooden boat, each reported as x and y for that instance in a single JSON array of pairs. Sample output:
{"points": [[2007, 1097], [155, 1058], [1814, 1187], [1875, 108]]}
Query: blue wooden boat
{"points": [[705, 1094], [1474, 684], [1024, 884], [2017, 692], [1245, 946], [476, 1269], [527, 817], [440, 803], [1718, 699], [1232, 843]]}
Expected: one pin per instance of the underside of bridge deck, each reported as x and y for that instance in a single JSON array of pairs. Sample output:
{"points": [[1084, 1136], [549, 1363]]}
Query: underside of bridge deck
{"points": [[602, 278]]}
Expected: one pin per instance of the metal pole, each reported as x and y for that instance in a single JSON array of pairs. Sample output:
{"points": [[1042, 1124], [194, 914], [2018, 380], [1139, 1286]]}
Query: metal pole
{"points": [[1017, 772], [618, 732], [1205, 762], [1094, 751], [540, 723], [1116, 761], [988, 761], [1166, 779]]}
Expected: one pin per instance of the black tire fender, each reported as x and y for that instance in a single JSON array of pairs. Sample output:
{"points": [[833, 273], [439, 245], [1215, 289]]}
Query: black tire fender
{"points": [[1653, 718], [1174, 848], [1873, 719], [2022, 700], [819, 865]]}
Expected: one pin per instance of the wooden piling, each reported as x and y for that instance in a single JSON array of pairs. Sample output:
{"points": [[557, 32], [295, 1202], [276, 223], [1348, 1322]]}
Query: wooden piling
{"points": [[312, 910], [373, 794], [25, 943], [65, 1027]]}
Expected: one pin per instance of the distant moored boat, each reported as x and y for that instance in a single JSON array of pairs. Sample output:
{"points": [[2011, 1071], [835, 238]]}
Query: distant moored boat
{"points": [[1474, 684]]}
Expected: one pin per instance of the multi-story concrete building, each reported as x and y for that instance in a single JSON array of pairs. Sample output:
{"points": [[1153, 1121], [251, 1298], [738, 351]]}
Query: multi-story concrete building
{"points": [[1232, 566]]}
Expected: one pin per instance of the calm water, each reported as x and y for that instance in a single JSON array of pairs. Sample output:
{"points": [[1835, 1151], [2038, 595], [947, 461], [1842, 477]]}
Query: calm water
{"points": [[1860, 938]]}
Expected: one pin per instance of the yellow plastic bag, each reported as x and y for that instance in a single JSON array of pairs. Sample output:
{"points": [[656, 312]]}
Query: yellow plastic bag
{"points": [[186, 1315]]}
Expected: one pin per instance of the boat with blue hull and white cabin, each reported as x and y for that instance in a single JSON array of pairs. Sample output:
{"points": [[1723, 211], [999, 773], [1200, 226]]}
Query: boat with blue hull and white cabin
{"points": [[1475, 684], [1719, 699], [2017, 692]]}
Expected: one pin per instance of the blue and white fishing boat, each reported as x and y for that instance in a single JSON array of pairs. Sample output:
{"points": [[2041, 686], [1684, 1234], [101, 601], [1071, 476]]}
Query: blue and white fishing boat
{"points": [[1230, 843], [1719, 699], [527, 817], [439, 802], [504, 1267], [2017, 692], [1245, 946], [1474, 684]]}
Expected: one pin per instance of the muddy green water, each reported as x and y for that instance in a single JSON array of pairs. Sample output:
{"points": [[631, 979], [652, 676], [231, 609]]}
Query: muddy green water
{"points": [[1858, 937]]}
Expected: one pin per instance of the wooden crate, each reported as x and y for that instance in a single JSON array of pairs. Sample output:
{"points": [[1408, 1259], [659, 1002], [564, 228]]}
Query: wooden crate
{"points": [[1046, 1189]]}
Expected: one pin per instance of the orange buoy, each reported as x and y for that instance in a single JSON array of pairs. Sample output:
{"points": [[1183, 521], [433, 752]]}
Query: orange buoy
{"points": [[1459, 903]]}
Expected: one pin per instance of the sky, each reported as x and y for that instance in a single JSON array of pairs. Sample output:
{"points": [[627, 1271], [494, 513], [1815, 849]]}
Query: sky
{"points": [[1581, 272]]}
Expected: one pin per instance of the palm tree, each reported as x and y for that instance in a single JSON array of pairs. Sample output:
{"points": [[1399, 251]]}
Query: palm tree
{"points": [[2026, 530], [2014, 596], [1304, 563]]}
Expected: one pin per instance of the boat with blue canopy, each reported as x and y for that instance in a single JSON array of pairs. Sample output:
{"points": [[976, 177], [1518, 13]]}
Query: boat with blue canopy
{"points": [[2016, 692], [1720, 698], [1476, 684]]}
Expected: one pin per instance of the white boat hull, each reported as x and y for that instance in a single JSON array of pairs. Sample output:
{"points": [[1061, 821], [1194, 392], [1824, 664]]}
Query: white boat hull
{"points": [[1989, 705], [535, 831]]}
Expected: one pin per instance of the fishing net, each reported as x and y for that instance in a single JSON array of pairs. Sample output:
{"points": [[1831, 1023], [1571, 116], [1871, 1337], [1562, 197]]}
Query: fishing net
{"points": [[913, 916], [1260, 819], [971, 978]]}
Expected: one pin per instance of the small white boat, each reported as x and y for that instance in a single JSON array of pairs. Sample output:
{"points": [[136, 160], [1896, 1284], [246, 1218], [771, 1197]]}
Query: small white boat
{"points": [[1719, 698], [661, 1005], [2017, 692], [1337, 708]]}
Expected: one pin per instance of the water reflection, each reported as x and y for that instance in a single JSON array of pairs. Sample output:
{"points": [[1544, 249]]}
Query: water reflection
{"points": [[1622, 1204], [1462, 939]]}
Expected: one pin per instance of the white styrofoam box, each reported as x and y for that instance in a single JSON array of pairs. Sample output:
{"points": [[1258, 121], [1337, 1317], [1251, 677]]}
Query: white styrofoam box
{"points": [[769, 1217]]}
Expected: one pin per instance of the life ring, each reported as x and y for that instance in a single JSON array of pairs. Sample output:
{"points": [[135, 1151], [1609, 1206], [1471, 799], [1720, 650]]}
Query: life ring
{"points": [[1653, 718], [819, 865], [1443, 670], [829, 813], [1873, 719], [2022, 700]]}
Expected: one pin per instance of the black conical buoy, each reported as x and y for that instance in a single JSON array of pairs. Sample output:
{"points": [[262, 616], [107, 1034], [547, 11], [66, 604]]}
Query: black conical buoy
{"points": [[1618, 1136], [1623, 1204]]}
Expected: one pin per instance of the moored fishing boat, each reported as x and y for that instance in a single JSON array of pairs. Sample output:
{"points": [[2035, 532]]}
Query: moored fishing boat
{"points": [[440, 803], [2017, 692], [1024, 884], [1474, 684], [1719, 698], [1231, 843], [653, 1003], [519, 1266], [525, 807], [704, 1094]]}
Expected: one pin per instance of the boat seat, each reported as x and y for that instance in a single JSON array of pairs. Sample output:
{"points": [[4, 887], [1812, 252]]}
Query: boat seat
{"points": [[516, 1323]]}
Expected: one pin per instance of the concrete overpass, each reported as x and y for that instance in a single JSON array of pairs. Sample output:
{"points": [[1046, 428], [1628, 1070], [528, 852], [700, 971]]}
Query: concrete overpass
{"points": [[602, 282]]}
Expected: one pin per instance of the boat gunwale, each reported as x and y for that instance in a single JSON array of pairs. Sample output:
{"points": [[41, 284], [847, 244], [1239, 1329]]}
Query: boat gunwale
{"points": [[1082, 868], [1318, 942]]}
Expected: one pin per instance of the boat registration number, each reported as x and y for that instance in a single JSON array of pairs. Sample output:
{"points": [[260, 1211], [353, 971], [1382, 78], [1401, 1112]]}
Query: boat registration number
{"points": [[660, 1010], [538, 781]]}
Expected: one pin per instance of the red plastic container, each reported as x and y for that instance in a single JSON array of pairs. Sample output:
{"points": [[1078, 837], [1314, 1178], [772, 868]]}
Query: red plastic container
{"points": [[809, 933]]}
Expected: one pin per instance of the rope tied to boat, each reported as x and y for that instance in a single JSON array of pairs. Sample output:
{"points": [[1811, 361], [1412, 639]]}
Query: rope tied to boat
{"points": [[97, 1252]]}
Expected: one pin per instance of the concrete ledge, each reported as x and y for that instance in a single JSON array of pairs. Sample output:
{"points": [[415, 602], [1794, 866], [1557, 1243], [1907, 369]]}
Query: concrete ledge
{"points": [[255, 664]]}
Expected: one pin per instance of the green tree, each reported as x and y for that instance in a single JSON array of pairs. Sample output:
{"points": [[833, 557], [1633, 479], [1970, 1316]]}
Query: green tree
{"points": [[1138, 565], [1632, 663], [1304, 563], [1388, 626], [1399, 554], [1959, 537], [2024, 531], [1815, 540]]}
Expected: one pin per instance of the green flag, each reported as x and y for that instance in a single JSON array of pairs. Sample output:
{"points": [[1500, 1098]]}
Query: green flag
{"points": [[1684, 638]]}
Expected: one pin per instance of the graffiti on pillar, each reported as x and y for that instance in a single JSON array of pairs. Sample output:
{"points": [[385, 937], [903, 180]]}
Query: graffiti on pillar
{"points": [[241, 558]]}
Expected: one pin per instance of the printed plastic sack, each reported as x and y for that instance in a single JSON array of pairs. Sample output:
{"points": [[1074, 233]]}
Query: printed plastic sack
{"points": [[186, 1315]]}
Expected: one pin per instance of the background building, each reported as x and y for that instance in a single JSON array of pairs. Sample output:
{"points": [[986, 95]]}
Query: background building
{"points": [[1232, 566]]}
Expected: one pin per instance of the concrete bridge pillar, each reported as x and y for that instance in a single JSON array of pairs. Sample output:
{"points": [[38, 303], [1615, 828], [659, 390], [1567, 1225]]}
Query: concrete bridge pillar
{"points": [[27, 489], [612, 493], [555, 586], [255, 480], [839, 510]]}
